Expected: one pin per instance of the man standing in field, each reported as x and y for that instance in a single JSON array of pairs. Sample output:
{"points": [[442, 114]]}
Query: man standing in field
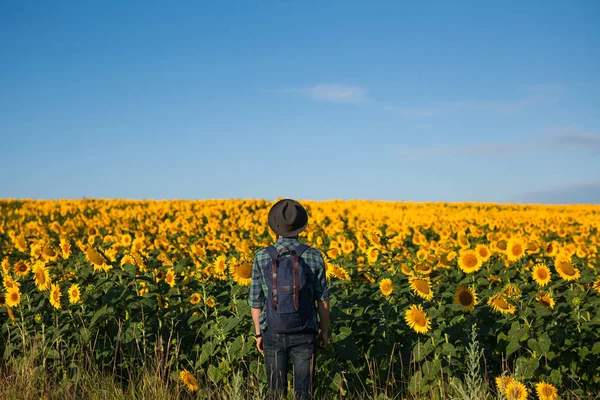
{"points": [[288, 278]]}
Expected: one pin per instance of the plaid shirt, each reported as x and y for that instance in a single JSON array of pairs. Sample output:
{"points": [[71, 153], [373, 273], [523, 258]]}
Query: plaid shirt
{"points": [[259, 289]]}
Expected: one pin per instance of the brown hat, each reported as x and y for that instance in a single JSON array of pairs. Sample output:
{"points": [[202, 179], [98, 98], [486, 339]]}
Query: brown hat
{"points": [[287, 218]]}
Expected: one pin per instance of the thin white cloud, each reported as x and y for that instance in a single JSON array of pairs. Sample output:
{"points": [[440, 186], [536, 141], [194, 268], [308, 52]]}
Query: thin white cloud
{"points": [[555, 138], [535, 95], [333, 93]]}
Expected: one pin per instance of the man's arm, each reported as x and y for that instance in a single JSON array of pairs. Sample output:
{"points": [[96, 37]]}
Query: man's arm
{"points": [[322, 297], [256, 301], [323, 310]]}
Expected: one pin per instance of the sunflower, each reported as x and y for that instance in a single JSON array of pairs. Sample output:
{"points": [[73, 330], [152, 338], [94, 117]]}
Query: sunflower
{"points": [[5, 266], [189, 381], [55, 296], [13, 297], [127, 259], [564, 268], [21, 268], [42, 276], [511, 291], [545, 299], [421, 287], [546, 391], [74, 294], [10, 283], [417, 319], [65, 248], [515, 249], [241, 272], [220, 265], [552, 248], [372, 255], [483, 252], [423, 267], [95, 258], [386, 286], [211, 302], [49, 253], [596, 285], [333, 252], [468, 261], [541, 274], [466, 298], [516, 391], [170, 277], [500, 304], [195, 298], [503, 381]]}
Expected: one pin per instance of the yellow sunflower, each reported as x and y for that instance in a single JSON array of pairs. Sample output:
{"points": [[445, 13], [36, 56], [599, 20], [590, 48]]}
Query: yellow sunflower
{"points": [[127, 259], [42, 276], [211, 302], [546, 391], [195, 298], [50, 253], [468, 261], [170, 277], [500, 304], [545, 299], [13, 297], [65, 248], [596, 285], [421, 286], [511, 291], [386, 286], [55, 296], [483, 252], [74, 294], [503, 381], [95, 258], [417, 319], [564, 268], [516, 391], [5, 266], [515, 249], [220, 265], [466, 298], [241, 272], [21, 268], [372, 255], [541, 274], [189, 381], [10, 283]]}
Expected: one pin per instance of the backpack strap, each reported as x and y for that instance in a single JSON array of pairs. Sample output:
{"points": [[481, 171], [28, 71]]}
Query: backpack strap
{"points": [[274, 256], [297, 252]]}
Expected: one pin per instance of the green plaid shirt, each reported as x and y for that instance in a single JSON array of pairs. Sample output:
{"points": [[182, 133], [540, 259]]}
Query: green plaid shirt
{"points": [[259, 289]]}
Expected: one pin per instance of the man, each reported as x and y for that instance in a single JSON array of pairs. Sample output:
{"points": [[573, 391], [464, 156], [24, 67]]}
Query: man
{"points": [[288, 278]]}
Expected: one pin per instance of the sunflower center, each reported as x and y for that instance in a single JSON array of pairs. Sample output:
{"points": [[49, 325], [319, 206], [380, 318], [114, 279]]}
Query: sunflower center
{"points": [[567, 268], [542, 274], [501, 303], [470, 260], [14, 296], [465, 298], [422, 286], [517, 250], [419, 319], [40, 276], [245, 271]]}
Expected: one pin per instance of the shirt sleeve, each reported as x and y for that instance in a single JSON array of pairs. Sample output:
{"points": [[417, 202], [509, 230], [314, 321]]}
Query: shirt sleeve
{"points": [[321, 289], [256, 296]]}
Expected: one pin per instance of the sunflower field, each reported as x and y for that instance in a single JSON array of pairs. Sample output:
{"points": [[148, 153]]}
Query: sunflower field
{"points": [[118, 282]]}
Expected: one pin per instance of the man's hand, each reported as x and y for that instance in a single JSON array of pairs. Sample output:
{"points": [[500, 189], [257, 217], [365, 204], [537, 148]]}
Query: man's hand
{"points": [[259, 345], [323, 339]]}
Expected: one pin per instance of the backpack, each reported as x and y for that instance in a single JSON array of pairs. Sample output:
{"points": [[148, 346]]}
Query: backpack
{"points": [[289, 304]]}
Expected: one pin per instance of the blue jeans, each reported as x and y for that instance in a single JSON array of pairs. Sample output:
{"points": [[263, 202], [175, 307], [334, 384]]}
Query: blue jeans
{"points": [[301, 349]]}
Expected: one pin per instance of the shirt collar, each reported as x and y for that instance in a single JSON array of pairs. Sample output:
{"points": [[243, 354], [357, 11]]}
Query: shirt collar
{"points": [[283, 241]]}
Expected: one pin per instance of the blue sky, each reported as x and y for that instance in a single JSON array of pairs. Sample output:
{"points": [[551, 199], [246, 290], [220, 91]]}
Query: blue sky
{"points": [[420, 101]]}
